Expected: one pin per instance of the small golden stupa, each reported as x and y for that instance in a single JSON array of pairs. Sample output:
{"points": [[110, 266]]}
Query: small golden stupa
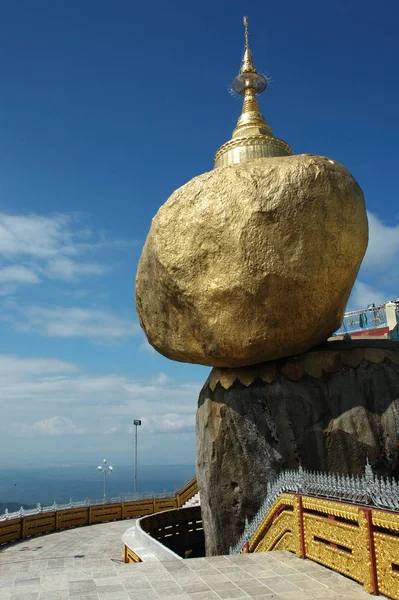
{"points": [[253, 137]]}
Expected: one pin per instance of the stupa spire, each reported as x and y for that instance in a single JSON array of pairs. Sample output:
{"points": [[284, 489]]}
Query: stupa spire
{"points": [[247, 65], [252, 137], [249, 83]]}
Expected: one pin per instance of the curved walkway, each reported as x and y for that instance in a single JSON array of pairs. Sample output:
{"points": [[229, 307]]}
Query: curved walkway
{"points": [[87, 564]]}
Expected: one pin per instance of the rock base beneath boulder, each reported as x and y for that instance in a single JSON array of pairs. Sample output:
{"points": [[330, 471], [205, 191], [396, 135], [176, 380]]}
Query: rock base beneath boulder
{"points": [[328, 410]]}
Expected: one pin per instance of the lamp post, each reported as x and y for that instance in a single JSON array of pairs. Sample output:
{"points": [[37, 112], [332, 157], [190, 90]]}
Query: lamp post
{"points": [[105, 470], [136, 423]]}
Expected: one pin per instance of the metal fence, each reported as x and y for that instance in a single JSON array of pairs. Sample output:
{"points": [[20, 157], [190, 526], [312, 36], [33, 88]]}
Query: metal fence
{"points": [[367, 489], [39, 509]]}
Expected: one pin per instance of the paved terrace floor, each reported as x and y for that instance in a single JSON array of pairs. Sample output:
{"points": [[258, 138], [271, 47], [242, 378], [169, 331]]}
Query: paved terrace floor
{"points": [[87, 564]]}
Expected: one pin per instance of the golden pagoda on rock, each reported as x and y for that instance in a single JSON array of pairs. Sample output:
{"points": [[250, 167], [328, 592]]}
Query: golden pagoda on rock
{"points": [[253, 137], [234, 253]]}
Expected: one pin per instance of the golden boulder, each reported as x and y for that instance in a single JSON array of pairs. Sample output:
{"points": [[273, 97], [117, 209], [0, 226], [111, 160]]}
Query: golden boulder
{"points": [[252, 262]]}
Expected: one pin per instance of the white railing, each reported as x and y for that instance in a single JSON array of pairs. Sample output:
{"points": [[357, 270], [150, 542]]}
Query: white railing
{"points": [[366, 489], [372, 317], [39, 509]]}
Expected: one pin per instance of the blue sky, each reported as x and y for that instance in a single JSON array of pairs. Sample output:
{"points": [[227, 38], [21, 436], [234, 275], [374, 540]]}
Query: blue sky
{"points": [[105, 109]]}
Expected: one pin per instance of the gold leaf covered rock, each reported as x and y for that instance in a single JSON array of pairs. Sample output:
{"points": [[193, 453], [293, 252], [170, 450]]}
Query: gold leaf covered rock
{"points": [[252, 262]]}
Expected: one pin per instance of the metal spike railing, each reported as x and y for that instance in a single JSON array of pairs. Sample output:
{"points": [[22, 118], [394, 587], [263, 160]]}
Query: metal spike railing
{"points": [[366, 489]]}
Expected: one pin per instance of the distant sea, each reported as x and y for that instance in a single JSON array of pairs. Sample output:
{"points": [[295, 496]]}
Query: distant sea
{"points": [[28, 486]]}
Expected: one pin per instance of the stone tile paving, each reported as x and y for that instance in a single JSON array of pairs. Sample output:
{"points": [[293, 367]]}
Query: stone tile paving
{"points": [[87, 564]]}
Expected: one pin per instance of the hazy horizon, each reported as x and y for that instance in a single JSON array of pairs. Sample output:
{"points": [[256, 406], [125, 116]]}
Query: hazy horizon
{"points": [[49, 484]]}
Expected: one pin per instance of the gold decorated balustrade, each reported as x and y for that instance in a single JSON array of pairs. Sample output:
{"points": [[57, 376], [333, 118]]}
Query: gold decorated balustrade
{"points": [[187, 491], [357, 541], [22, 527], [131, 556]]}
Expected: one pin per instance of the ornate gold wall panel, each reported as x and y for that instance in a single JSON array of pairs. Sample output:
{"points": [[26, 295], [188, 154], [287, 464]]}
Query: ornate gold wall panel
{"points": [[387, 555], [286, 542], [187, 492], [320, 533], [365, 549], [356, 563], [386, 545], [285, 527], [270, 534], [10, 531], [131, 557]]}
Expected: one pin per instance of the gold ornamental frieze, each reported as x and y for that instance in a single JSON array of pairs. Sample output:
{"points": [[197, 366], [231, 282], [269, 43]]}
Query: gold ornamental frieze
{"points": [[386, 520], [313, 363], [336, 509]]}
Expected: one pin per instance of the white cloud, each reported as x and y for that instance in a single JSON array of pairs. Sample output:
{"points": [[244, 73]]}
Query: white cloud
{"points": [[146, 347], [25, 367], [35, 235], [56, 426], [54, 246], [364, 294], [160, 379], [18, 274], [383, 248], [50, 382], [70, 270], [76, 322], [378, 279], [44, 398], [172, 423]]}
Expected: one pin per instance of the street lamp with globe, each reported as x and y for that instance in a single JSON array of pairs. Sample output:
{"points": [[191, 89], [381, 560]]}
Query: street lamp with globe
{"points": [[105, 470]]}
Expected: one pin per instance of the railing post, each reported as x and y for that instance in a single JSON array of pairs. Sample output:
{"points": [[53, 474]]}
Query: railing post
{"points": [[373, 563], [301, 528], [23, 528]]}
